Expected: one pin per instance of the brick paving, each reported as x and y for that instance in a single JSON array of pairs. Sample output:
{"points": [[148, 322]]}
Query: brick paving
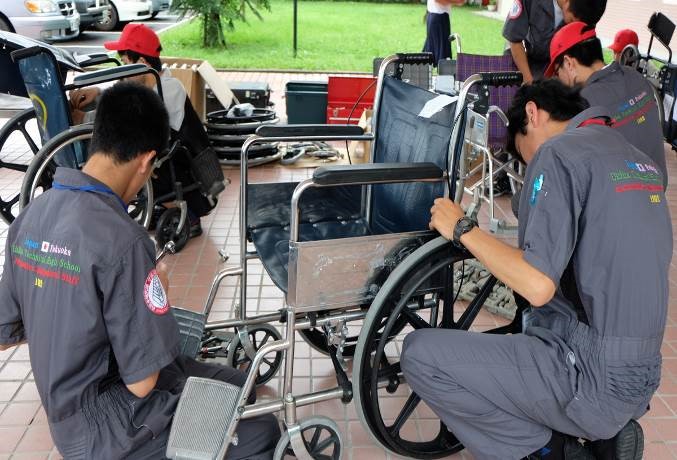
{"points": [[24, 432]]}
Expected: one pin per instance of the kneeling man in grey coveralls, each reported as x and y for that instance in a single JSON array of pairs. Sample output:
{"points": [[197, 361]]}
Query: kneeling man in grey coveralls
{"points": [[595, 242]]}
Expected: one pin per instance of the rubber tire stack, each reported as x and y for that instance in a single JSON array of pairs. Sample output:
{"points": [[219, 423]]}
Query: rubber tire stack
{"points": [[227, 135]]}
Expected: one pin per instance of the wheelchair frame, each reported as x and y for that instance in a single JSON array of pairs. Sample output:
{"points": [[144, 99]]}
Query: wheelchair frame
{"points": [[345, 306]]}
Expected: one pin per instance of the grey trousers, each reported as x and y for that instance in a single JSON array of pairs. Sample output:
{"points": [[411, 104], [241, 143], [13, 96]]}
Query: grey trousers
{"points": [[501, 395]]}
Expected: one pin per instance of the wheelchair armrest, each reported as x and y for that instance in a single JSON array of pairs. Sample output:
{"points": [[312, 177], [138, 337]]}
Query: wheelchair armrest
{"points": [[87, 60], [309, 130], [376, 173], [115, 73]]}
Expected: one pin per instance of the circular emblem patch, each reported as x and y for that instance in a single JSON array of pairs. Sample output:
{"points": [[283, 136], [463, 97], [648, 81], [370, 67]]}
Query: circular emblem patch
{"points": [[515, 10], [154, 294]]}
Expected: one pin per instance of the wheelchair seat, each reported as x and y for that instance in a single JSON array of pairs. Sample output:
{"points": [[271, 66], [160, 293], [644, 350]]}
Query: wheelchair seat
{"points": [[402, 135]]}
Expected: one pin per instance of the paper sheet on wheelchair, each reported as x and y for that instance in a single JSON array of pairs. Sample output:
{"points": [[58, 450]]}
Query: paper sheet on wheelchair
{"points": [[667, 106], [435, 105]]}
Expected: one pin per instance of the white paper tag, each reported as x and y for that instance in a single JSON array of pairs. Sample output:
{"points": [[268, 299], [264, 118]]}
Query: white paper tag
{"points": [[435, 105]]}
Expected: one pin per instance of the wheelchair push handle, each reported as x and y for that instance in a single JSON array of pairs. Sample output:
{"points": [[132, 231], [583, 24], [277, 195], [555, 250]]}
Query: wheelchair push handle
{"points": [[501, 78], [415, 58]]}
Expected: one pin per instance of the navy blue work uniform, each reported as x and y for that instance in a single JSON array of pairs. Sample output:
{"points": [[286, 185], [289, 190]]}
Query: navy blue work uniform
{"points": [[533, 22], [630, 99], [79, 283], [593, 218]]}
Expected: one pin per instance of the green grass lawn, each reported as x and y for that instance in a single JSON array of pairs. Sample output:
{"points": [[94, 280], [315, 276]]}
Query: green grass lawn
{"points": [[343, 36]]}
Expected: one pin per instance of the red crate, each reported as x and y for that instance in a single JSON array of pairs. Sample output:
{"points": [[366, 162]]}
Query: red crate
{"points": [[342, 95]]}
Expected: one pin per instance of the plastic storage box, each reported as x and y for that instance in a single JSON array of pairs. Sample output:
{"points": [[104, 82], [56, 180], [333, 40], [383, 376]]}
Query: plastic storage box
{"points": [[306, 102]]}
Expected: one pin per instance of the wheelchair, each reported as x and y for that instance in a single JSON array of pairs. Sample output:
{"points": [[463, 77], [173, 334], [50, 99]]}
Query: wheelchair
{"points": [[663, 79], [66, 145], [21, 131], [353, 246]]}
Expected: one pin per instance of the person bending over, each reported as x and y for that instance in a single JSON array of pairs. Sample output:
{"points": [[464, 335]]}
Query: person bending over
{"points": [[595, 243], [80, 285], [576, 59]]}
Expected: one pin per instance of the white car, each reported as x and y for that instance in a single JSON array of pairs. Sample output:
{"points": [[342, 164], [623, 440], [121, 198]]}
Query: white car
{"points": [[123, 11]]}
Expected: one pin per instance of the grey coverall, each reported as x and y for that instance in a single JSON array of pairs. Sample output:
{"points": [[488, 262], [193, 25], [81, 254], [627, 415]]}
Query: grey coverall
{"points": [[533, 22], [79, 283], [630, 99], [593, 218]]}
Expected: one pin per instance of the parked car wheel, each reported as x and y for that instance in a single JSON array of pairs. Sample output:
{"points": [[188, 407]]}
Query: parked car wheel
{"points": [[6, 26], [110, 23]]}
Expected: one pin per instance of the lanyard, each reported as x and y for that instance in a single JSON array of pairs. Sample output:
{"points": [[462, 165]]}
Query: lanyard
{"points": [[89, 188], [593, 121]]}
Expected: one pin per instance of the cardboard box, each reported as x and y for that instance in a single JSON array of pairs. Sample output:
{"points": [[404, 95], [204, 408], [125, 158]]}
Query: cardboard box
{"points": [[360, 151], [196, 75]]}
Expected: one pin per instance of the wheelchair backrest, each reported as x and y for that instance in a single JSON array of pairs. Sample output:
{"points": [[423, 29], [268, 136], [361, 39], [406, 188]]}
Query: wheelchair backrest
{"points": [[44, 86], [404, 136], [470, 64]]}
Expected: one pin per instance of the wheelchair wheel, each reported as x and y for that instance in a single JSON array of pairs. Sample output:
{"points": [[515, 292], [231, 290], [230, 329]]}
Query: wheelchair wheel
{"points": [[259, 336], [321, 438], [19, 143], [40, 174], [421, 287], [167, 226]]}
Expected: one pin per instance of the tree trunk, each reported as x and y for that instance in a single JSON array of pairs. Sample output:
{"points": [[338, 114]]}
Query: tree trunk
{"points": [[212, 32]]}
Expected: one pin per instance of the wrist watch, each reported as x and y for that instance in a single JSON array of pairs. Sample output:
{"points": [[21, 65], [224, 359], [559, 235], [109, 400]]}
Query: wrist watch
{"points": [[463, 226]]}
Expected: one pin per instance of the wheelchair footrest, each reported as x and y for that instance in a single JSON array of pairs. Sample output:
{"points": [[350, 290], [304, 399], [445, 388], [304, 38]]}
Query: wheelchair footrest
{"points": [[191, 327], [205, 411]]}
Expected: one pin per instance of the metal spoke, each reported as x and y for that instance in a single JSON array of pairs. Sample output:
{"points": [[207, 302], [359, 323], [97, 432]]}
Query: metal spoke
{"points": [[29, 139], [415, 320], [405, 413]]}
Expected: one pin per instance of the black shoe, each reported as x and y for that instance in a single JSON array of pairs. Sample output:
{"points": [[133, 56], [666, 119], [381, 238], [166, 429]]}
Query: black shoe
{"points": [[628, 444], [195, 228], [562, 447]]}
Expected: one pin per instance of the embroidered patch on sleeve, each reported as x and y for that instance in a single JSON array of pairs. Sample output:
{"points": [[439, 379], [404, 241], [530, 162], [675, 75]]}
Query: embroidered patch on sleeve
{"points": [[154, 294], [515, 10]]}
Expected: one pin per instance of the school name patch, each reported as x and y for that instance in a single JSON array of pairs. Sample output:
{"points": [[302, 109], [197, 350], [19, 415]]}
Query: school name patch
{"points": [[154, 294]]}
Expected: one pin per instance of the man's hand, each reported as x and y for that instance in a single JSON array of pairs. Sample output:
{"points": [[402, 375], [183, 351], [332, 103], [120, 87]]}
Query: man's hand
{"points": [[82, 98], [445, 214], [162, 273]]}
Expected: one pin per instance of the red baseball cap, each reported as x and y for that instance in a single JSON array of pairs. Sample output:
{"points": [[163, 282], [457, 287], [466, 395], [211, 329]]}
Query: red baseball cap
{"points": [[624, 38], [567, 37], [137, 38]]}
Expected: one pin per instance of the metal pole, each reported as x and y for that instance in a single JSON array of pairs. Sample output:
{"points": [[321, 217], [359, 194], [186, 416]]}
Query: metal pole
{"points": [[295, 24]]}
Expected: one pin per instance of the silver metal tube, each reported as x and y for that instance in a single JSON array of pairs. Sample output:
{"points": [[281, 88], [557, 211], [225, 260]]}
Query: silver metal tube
{"points": [[296, 196], [244, 178], [226, 324], [233, 271], [268, 407], [271, 347], [287, 388]]}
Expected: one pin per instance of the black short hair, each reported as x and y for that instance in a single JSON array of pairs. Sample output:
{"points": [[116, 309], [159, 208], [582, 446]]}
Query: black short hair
{"points": [[154, 62], [130, 120], [561, 102], [588, 11], [586, 53]]}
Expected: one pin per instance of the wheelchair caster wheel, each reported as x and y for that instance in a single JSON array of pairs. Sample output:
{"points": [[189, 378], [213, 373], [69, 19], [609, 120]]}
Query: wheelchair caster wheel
{"points": [[321, 437], [166, 229], [258, 336]]}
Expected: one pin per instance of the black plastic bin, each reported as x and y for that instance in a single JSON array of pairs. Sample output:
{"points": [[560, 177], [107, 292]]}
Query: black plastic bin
{"points": [[306, 102]]}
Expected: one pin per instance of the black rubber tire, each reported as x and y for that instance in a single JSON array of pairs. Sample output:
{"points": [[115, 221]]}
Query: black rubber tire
{"points": [[43, 165], [433, 261], [311, 429], [165, 229], [17, 124], [112, 23], [5, 25], [238, 359]]}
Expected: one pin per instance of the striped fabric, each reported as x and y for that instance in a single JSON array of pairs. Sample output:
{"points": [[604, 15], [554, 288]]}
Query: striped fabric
{"points": [[469, 64]]}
